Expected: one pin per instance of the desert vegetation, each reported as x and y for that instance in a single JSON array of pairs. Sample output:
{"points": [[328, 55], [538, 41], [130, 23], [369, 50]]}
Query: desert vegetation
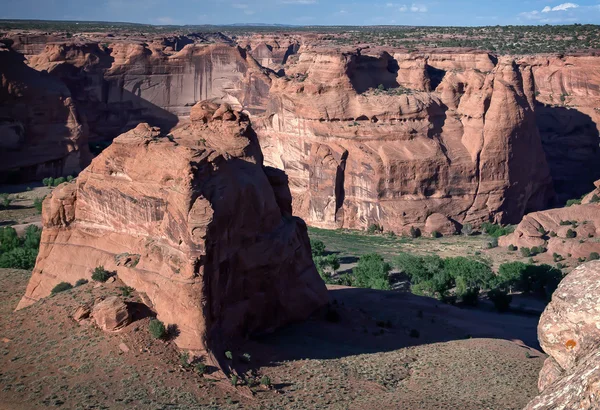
{"points": [[16, 252]]}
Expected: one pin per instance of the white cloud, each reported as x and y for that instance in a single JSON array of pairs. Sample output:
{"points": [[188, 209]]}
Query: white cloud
{"points": [[560, 7], [418, 8]]}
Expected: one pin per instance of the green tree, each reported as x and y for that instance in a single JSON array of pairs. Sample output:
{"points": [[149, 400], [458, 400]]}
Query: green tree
{"points": [[372, 272]]}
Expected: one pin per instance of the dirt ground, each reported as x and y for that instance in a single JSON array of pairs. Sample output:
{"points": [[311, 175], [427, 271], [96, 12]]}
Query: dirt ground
{"points": [[371, 350]]}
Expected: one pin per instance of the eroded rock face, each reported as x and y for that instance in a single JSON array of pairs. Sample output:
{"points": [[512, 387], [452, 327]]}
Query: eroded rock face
{"points": [[555, 228], [191, 221], [120, 84], [568, 332], [462, 143], [41, 131]]}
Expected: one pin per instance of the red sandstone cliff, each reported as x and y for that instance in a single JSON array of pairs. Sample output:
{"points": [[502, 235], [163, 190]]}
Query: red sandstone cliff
{"points": [[194, 221], [460, 141]]}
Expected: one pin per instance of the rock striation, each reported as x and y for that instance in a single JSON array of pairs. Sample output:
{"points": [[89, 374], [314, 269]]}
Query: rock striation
{"points": [[568, 332], [191, 220], [365, 142]]}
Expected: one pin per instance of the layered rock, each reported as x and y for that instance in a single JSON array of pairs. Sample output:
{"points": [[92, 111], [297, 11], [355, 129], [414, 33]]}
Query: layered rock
{"points": [[360, 148], [572, 230], [568, 332], [120, 84], [191, 220], [41, 130]]}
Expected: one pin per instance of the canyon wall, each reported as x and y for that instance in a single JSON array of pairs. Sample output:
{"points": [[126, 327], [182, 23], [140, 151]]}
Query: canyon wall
{"points": [[393, 139], [41, 130], [193, 220], [369, 136]]}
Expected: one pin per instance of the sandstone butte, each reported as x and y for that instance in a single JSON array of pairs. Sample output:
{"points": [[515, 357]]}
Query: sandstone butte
{"points": [[195, 222], [460, 136], [568, 332]]}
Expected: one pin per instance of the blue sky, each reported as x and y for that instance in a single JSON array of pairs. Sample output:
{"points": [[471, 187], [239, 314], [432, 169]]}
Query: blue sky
{"points": [[310, 12]]}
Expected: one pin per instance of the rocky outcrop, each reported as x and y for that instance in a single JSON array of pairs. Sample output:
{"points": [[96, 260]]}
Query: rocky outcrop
{"points": [[571, 231], [41, 130], [361, 148], [568, 332], [192, 222], [119, 84]]}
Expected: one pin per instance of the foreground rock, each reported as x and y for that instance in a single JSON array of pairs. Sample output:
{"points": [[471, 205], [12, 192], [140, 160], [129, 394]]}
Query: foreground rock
{"points": [[568, 332], [191, 220]]}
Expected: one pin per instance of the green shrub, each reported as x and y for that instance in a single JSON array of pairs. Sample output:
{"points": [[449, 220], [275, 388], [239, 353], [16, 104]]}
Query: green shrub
{"points": [[37, 204], [126, 290], [512, 248], [552, 234], [32, 237], [526, 252], [59, 181], [200, 368], [184, 360], [415, 232], [326, 265], [81, 282], [565, 223], [234, 380], [5, 201], [493, 243], [317, 247], [8, 239], [157, 329], [542, 230], [265, 381], [229, 355], [594, 256], [372, 272], [436, 234], [374, 228], [572, 202], [473, 273], [48, 182], [100, 274], [61, 287], [496, 230], [595, 199], [571, 233], [467, 229], [18, 258], [70, 178], [501, 299], [246, 358]]}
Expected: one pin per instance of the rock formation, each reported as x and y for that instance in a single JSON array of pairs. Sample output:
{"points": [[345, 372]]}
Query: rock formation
{"points": [[361, 147], [120, 84], [572, 230], [568, 332], [568, 93], [41, 132], [193, 221]]}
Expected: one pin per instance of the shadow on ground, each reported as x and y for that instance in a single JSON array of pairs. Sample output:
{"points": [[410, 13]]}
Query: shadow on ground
{"points": [[371, 321]]}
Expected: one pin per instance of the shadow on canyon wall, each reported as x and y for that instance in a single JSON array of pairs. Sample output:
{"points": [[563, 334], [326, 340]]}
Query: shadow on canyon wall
{"points": [[571, 142]]}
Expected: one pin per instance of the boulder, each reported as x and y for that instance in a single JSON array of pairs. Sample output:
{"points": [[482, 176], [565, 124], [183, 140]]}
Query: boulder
{"points": [[192, 222], [111, 314], [569, 333], [439, 223]]}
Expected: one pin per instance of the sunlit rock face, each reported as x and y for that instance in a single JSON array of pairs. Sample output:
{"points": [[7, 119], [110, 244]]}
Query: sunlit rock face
{"points": [[193, 220], [392, 139]]}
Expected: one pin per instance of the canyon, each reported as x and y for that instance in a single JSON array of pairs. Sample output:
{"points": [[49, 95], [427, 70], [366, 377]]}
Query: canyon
{"points": [[202, 161], [369, 136]]}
